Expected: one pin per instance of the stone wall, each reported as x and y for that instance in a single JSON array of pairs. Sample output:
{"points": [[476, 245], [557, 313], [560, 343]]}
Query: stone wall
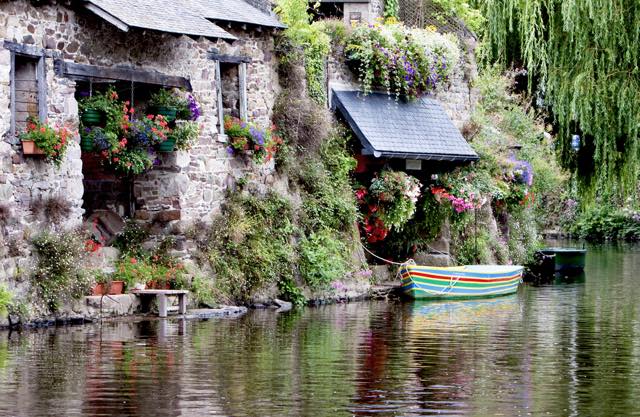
{"points": [[185, 186]]}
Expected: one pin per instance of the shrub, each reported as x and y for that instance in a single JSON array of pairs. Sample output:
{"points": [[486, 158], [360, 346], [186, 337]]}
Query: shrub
{"points": [[204, 292], [250, 244], [604, 222], [322, 260], [5, 300], [129, 241], [58, 275], [307, 42], [185, 134], [53, 208]]}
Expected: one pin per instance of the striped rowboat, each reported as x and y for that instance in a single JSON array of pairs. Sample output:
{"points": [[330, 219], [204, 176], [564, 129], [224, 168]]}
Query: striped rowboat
{"points": [[469, 281]]}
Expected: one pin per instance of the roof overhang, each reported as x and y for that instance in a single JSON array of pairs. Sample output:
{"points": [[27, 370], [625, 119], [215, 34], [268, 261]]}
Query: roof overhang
{"points": [[417, 129], [127, 14]]}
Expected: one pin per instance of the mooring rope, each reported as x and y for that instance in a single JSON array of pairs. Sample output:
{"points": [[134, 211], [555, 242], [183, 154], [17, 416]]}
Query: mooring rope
{"points": [[407, 262], [452, 280]]}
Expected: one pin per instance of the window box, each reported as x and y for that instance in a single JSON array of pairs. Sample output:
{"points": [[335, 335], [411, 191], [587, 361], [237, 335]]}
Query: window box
{"points": [[29, 147]]}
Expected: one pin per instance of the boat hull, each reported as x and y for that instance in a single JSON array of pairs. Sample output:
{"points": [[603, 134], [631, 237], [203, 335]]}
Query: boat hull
{"points": [[470, 281], [567, 260]]}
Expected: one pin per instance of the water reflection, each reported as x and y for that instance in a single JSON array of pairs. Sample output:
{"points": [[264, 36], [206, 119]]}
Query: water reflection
{"points": [[569, 349]]}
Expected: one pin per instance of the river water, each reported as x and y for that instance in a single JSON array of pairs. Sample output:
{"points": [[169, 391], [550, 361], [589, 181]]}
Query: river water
{"points": [[568, 349]]}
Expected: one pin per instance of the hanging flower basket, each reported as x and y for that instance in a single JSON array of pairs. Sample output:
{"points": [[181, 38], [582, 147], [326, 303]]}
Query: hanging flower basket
{"points": [[29, 147], [92, 117], [168, 145], [169, 113], [86, 143]]}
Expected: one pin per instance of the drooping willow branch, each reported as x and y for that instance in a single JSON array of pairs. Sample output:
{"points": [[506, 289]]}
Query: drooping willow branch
{"points": [[585, 55]]}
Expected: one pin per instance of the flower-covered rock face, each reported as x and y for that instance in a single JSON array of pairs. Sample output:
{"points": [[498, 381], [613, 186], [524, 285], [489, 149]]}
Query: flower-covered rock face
{"points": [[404, 61]]}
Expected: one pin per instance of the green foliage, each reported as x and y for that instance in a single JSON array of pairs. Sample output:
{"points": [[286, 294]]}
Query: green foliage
{"points": [[391, 9], [585, 58], [327, 204], [417, 234], [58, 276], [249, 245], [503, 126], [321, 259], [108, 104], [306, 40], [604, 222], [404, 61], [524, 239], [130, 240], [185, 134], [396, 194], [204, 292], [289, 291], [5, 300], [461, 9], [166, 98], [335, 29]]}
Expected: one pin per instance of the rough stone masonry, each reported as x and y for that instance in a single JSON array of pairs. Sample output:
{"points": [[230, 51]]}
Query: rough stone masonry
{"points": [[185, 186]]}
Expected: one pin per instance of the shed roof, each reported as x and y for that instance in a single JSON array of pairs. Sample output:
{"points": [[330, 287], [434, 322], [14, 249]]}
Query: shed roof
{"points": [[165, 16], [418, 129], [237, 11]]}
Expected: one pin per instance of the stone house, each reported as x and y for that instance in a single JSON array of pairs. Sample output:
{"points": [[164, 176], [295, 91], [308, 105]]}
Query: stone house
{"points": [[52, 53]]}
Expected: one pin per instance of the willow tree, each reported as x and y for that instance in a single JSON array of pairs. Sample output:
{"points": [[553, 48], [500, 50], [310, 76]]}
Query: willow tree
{"points": [[584, 55]]}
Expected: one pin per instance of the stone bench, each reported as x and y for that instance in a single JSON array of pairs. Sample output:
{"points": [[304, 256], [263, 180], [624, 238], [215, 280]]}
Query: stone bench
{"points": [[162, 295]]}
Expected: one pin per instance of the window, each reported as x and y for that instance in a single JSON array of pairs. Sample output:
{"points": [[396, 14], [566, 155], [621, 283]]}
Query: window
{"points": [[231, 85], [28, 86]]}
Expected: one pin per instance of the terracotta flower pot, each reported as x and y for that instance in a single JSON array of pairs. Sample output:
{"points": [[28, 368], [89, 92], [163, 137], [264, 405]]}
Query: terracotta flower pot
{"points": [[116, 288], [99, 289], [29, 147]]}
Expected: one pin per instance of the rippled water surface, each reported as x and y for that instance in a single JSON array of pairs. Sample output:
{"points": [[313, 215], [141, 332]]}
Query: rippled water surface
{"points": [[568, 349]]}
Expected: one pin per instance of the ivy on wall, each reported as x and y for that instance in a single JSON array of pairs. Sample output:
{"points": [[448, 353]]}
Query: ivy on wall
{"points": [[391, 9], [309, 40]]}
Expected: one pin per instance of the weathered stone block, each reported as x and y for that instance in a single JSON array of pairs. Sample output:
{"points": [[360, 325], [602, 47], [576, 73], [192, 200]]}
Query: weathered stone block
{"points": [[167, 216]]}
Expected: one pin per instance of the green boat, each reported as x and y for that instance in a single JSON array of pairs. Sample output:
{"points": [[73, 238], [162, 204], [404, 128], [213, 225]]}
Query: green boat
{"points": [[567, 260]]}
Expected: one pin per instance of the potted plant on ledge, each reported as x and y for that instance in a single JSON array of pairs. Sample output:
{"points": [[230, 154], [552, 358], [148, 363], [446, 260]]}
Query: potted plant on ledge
{"points": [[42, 139]]}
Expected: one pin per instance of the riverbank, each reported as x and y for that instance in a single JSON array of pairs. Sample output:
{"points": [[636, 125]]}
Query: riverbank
{"points": [[92, 309], [567, 348]]}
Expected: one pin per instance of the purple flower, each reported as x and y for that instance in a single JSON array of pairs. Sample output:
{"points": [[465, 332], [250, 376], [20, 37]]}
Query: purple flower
{"points": [[230, 150], [257, 135], [194, 107]]}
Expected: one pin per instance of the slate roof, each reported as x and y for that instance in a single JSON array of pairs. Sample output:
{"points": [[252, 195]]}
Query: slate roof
{"points": [[418, 129], [237, 11], [165, 16]]}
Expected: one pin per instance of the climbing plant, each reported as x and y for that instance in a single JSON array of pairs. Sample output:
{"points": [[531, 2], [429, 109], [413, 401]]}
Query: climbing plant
{"points": [[584, 56], [391, 9], [307, 39]]}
